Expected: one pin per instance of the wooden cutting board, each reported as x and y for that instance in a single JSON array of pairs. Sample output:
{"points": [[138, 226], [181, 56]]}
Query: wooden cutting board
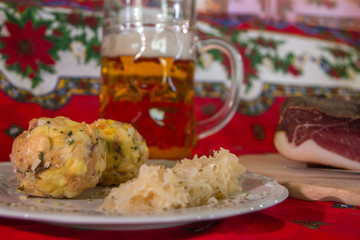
{"points": [[304, 183]]}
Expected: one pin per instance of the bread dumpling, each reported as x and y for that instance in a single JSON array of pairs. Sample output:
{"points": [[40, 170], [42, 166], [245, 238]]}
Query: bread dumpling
{"points": [[58, 157], [126, 151]]}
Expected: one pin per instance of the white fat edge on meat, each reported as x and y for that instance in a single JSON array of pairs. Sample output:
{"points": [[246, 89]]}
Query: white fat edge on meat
{"points": [[310, 152]]}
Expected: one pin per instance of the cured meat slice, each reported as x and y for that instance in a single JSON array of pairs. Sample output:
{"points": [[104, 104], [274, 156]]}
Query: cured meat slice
{"points": [[320, 130]]}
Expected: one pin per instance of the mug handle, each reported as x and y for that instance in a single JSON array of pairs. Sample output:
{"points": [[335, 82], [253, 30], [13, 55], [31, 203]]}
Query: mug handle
{"points": [[216, 122]]}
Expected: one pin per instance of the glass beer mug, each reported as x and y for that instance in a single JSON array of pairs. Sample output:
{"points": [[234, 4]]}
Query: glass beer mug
{"points": [[148, 57]]}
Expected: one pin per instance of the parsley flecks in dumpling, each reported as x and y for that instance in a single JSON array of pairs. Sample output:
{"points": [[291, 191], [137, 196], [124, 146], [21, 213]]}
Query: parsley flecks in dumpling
{"points": [[58, 157]]}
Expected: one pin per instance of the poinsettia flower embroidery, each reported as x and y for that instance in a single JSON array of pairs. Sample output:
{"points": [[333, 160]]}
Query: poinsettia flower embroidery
{"points": [[26, 46]]}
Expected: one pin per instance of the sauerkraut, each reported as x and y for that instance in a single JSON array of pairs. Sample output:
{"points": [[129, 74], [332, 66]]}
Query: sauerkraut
{"points": [[191, 182]]}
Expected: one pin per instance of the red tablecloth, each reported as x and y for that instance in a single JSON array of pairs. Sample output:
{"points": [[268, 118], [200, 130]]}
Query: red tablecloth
{"points": [[292, 219]]}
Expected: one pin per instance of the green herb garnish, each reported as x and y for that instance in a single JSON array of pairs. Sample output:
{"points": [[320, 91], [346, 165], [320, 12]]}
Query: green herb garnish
{"points": [[21, 188], [108, 146], [41, 156], [70, 141]]}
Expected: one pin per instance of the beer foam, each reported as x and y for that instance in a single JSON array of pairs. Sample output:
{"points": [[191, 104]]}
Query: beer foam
{"points": [[141, 42]]}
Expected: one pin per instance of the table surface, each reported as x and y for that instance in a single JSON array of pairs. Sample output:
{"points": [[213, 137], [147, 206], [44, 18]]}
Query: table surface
{"points": [[291, 219]]}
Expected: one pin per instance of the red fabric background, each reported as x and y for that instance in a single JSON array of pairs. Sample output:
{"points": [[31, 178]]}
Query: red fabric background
{"points": [[238, 136], [292, 219]]}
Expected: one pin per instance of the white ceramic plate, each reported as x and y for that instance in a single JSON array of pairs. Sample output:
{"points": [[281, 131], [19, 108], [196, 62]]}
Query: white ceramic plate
{"points": [[259, 193]]}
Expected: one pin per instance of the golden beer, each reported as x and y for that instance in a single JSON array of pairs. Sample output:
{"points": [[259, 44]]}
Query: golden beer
{"points": [[148, 55], [155, 95]]}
